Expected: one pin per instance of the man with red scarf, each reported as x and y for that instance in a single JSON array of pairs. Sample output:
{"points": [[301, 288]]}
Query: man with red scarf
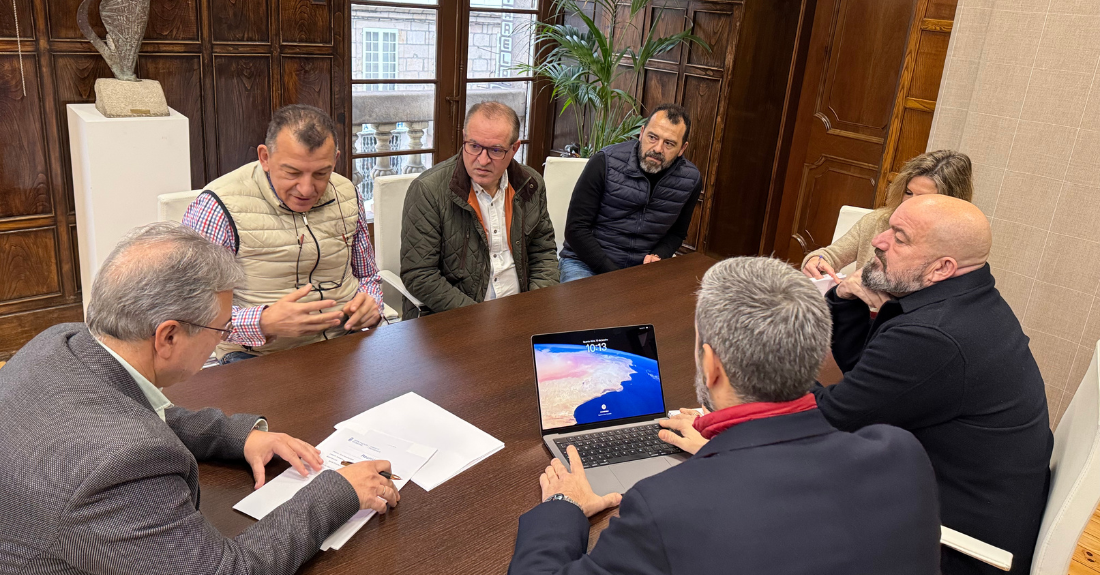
{"points": [[772, 486]]}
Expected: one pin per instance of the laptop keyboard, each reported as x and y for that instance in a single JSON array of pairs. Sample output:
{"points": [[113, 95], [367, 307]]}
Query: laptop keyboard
{"points": [[618, 445]]}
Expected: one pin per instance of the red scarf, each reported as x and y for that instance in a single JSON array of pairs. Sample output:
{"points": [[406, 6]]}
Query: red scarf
{"points": [[716, 422]]}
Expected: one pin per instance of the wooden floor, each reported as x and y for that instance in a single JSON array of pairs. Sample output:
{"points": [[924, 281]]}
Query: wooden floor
{"points": [[1086, 560]]}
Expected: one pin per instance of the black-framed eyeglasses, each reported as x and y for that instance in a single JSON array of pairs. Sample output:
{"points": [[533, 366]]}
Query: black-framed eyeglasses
{"points": [[474, 149], [225, 331]]}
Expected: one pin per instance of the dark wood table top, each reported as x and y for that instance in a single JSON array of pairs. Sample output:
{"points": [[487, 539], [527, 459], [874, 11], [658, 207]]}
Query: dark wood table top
{"points": [[475, 362]]}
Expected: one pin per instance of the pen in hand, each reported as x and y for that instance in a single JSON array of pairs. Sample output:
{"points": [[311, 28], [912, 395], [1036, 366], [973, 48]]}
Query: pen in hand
{"points": [[385, 474]]}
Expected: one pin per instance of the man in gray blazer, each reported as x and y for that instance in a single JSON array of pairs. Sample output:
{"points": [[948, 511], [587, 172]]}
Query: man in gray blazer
{"points": [[98, 470]]}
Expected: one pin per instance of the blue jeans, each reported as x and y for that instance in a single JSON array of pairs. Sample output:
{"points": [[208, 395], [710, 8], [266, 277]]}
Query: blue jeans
{"points": [[573, 269], [234, 357]]}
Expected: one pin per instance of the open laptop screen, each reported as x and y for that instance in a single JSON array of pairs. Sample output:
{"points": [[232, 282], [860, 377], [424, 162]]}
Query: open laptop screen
{"points": [[597, 377]]}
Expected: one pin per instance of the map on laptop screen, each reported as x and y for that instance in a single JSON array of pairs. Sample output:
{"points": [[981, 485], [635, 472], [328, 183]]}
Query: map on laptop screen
{"points": [[597, 375]]}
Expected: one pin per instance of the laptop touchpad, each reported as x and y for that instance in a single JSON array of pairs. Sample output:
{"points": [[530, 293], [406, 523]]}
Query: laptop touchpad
{"points": [[632, 472]]}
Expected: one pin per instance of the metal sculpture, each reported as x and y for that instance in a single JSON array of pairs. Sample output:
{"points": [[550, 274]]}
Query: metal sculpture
{"points": [[125, 22]]}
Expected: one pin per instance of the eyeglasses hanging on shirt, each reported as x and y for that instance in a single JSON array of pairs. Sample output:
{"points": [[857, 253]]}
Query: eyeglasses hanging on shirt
{"points": [[348, 240]]}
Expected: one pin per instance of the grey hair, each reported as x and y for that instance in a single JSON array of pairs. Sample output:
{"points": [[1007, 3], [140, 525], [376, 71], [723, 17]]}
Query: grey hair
{"points": [[768, 326], [311, 126], [160, 272]]}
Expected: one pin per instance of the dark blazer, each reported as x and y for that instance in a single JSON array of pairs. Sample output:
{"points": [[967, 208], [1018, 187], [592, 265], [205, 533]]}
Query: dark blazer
{"points": [[951, 364], [783, 495], [92, 481]]}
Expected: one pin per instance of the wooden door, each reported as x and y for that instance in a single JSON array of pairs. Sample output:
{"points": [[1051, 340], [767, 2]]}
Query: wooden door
{"points": [[855, 58]]}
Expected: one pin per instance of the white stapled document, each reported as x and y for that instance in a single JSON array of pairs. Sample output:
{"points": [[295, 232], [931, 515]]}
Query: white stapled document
{"points": [[405, 457], [826, 283], [458, 444]]}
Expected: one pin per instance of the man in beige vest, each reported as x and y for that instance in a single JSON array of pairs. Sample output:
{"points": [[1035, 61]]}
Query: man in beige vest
{"points": [[300, 232]]}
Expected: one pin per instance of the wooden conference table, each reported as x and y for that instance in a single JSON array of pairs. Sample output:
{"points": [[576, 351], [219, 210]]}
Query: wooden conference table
{"points": [[476, 362]]}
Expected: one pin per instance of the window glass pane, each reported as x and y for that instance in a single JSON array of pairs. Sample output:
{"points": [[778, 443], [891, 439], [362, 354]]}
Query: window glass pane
{"points": [[497, 43], [392, 43], [507, 4], [388, 119], [517, 95]]}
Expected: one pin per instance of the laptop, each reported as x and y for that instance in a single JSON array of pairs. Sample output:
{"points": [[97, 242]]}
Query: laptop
{"points": [[600, 390]]}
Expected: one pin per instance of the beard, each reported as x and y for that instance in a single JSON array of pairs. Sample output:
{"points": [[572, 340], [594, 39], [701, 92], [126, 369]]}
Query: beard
{"points": [[701, 391], [875, 276], [649, 168]]}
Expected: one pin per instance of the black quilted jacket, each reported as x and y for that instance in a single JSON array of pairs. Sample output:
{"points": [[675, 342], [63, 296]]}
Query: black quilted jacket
{"points": [[444, 252]]}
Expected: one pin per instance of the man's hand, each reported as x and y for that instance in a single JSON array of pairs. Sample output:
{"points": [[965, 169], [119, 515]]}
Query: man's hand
{"points": [[374, 491], [688, 439], [261, 446], [852, 288], [289, 318], [362, 312], [557, 479], [816, 266], [648, 260]]}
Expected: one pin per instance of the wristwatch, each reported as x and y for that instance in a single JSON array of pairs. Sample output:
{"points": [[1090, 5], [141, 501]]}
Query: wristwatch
{"points": [[563, 497]]}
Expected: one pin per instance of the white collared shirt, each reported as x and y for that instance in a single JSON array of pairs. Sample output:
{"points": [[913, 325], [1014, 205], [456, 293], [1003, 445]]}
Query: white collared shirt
{"points": [[505, 280], [152, 393]]}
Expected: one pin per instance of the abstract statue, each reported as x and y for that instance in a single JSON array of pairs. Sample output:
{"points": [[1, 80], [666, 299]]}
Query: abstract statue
{"points": [[125, 21], [126, 96]]}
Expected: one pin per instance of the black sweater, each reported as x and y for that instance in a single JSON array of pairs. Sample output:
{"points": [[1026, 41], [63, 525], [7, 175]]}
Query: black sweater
{"points": [[585, 205], [951, 364]]}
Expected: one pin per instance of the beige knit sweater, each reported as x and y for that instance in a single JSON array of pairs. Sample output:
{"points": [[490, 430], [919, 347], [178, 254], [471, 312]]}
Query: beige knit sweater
{"points": [[856, 244]]}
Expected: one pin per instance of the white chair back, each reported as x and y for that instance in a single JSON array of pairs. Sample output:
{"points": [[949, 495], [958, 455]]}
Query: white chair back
{"points": [[849, 215], [1075, 478], [171, 207], [389, 205], [561, 175]]}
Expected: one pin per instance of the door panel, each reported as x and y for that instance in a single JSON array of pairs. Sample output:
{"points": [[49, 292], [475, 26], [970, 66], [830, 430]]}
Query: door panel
{"points": [[857, 48]]}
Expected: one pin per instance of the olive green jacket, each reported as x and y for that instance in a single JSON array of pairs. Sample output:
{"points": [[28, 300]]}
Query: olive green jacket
{"points": [[444, 252]]}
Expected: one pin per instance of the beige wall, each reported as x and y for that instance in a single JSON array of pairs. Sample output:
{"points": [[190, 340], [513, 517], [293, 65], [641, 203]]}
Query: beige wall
{"points": [[1021, 96]]}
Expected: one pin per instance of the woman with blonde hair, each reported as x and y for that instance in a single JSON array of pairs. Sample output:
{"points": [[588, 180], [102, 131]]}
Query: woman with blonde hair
{"points": [[941, 172]]}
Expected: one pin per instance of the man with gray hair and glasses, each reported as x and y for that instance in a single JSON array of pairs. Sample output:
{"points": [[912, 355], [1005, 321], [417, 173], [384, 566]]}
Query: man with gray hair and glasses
{"points": [[772, 487], [300, 232], [98, 470]]}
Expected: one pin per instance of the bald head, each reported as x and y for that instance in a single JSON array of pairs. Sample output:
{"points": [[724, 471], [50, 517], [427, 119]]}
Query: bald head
{"points": [[948, 227]]}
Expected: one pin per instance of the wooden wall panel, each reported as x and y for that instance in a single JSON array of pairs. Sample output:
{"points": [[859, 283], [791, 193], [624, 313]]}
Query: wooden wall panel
{"points": [[659, 87], [699, 97], [175, 20], [715, 28], [242, 90], [28, 264], [672, 21], [24, 180], [830, 184], [223, 63], [307, 80], [241, 21], [918, 89], [181, 78], [306, 21], [26, 20]]}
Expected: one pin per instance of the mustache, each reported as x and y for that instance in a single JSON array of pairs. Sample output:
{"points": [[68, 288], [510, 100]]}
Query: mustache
{"points": [[655, 156]]}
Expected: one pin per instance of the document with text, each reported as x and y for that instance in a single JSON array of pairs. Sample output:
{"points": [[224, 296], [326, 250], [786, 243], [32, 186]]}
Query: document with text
{"points": [[459, 445], [406, 459]]}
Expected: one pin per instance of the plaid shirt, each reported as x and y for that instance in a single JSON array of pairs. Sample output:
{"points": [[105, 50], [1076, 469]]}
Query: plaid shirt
{"points": [[206, 216]]}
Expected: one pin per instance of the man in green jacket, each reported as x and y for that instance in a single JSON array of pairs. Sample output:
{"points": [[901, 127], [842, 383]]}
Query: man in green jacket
{"points": [[475, 227]]}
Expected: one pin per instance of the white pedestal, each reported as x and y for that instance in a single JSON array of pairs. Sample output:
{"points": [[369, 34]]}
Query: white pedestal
{"points": [[120, 166]]}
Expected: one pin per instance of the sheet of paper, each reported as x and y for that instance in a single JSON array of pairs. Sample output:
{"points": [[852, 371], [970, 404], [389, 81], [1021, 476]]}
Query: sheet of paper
{"points": [[458, 444], [826, 283], [405, 457]]}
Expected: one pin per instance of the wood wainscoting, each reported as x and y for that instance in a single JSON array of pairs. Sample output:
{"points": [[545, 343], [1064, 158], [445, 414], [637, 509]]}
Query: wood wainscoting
{"points": [[225, 64]]}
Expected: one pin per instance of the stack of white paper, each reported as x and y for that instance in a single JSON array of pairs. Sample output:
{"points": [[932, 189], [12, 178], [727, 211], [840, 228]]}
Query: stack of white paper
{"points": [[405, 457], [458, 444]]}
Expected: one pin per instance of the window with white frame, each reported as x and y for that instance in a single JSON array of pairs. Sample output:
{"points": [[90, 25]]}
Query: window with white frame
{"points": [[379, 56]]}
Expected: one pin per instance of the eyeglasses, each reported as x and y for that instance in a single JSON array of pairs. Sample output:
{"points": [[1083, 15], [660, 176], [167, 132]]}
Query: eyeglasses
{"points": [[475, 149], [225, 331]]}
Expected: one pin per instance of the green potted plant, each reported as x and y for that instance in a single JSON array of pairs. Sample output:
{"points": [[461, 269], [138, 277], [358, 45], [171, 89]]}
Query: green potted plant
{"points": [[583, 66]]}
